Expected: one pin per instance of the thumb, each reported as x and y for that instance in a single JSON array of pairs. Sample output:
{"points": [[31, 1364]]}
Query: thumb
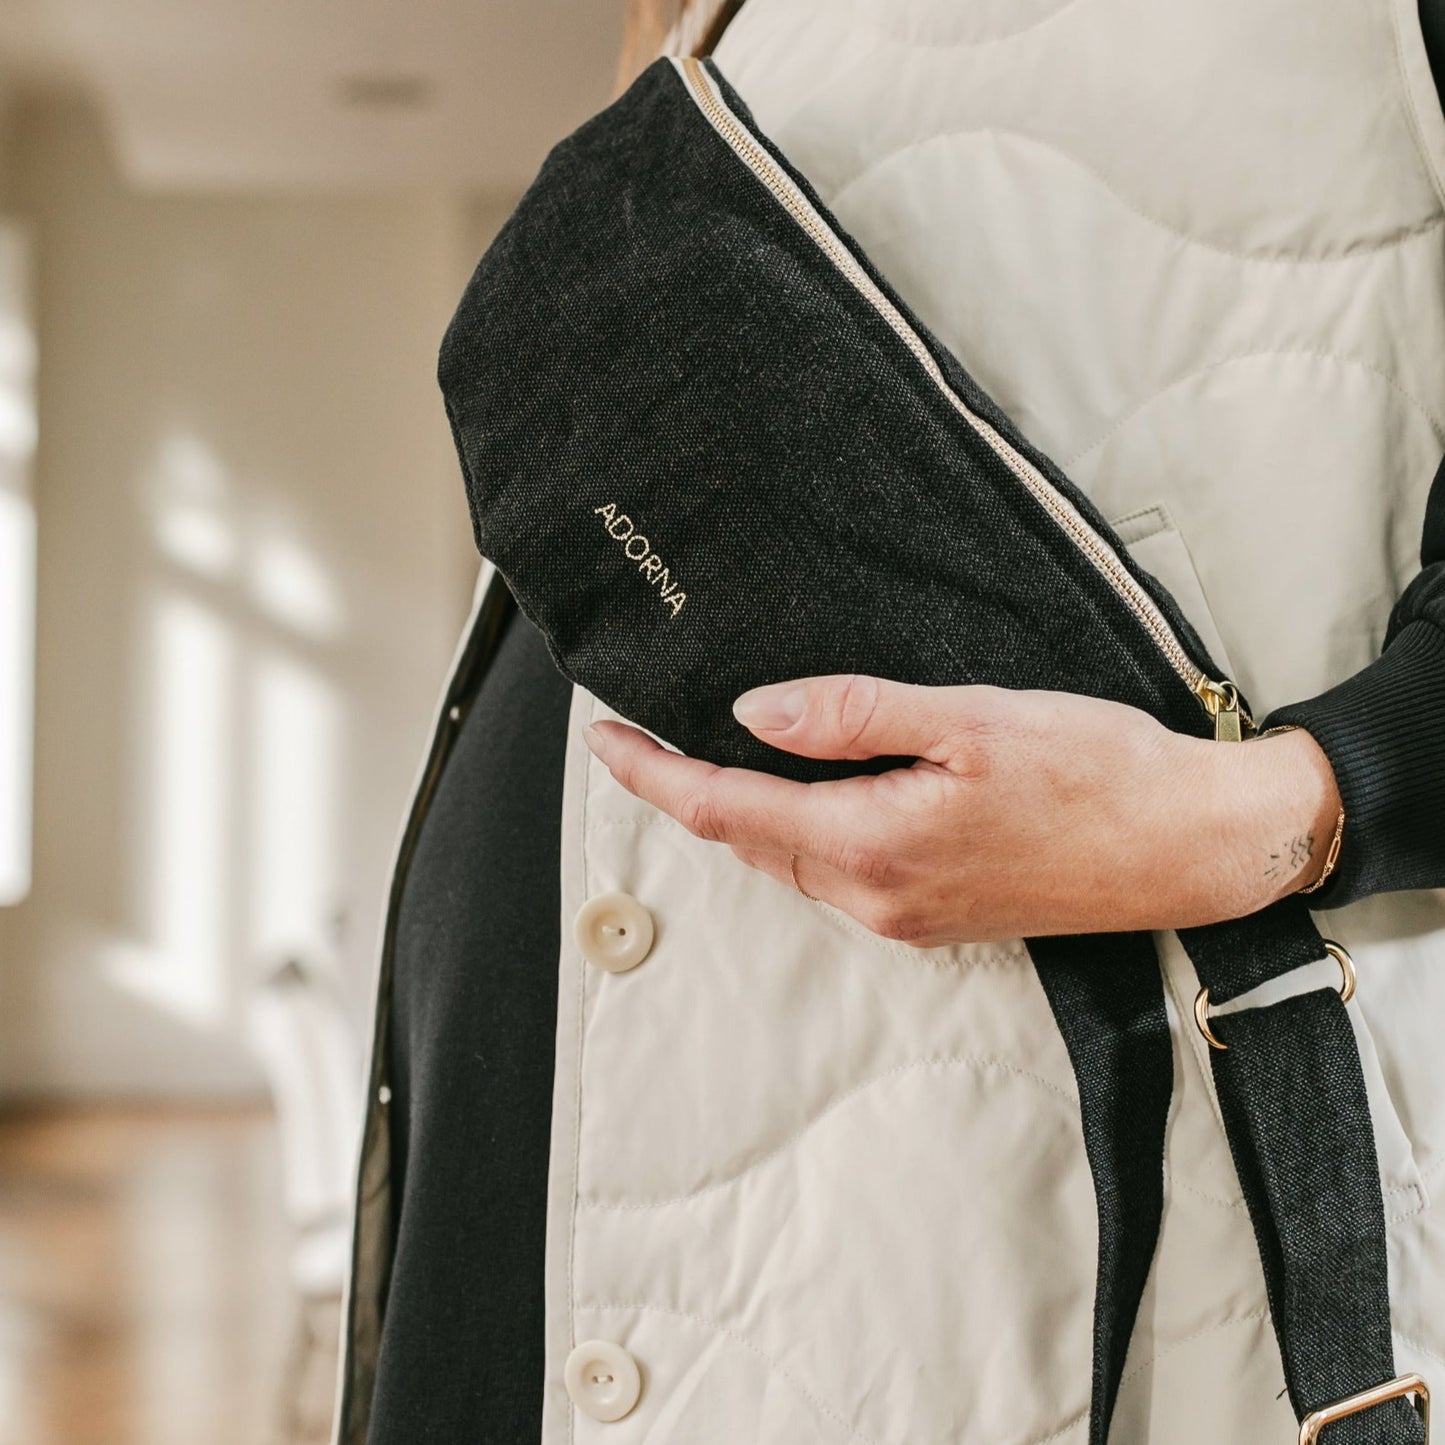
{"points": [[849, 715]]}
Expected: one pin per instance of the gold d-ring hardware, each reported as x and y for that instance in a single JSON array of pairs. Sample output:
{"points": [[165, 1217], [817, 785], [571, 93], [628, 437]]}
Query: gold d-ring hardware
{"points": [[1309, 1430], [1337, 951]]}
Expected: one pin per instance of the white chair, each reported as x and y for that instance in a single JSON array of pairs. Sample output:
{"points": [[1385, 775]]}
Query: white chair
{"points": [[305, 1039]]}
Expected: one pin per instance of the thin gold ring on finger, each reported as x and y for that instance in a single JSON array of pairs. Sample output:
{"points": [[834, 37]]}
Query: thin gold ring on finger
{"points": [[793, 874]]}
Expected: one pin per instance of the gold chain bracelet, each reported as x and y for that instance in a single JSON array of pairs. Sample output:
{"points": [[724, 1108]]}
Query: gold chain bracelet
{"points": [[1331, 858], [1333, 855]]}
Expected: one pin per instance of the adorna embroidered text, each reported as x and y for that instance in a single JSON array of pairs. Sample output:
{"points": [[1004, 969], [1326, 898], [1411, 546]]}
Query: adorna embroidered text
{"points": [[638, 549]]}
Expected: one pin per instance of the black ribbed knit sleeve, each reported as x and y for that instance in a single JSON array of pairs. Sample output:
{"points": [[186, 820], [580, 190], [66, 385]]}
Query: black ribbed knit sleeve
{"points": [[1383, 731]]}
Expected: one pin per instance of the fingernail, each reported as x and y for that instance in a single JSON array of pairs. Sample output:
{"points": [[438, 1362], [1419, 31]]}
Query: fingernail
{"points": [[596, 739], [772, 708]]}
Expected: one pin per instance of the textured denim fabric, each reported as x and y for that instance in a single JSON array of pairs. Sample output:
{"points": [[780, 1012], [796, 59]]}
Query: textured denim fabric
{"points": [[651, 330]]}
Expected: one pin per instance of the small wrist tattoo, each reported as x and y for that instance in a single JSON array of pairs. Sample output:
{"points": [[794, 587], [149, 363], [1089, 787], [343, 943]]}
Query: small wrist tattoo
{"points": [[1292, 856]]}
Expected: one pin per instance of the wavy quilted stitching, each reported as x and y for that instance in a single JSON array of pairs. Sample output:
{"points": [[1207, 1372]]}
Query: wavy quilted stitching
{"points": [[835, 1416], [1344, 361], [1353, 250], [945, 1061], [831, 1413], [1008, 953], [883, 33]]}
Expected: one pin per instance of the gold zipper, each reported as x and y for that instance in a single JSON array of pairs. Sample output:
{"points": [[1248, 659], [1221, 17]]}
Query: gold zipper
{"points": [[1220, 699]]}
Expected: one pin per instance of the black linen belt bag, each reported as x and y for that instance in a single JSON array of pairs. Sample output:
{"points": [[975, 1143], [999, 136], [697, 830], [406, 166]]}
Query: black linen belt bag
{"points": [[708, 447]]}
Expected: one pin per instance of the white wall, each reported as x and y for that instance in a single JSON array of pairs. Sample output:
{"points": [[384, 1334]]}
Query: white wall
{"points": [[254, 556]]}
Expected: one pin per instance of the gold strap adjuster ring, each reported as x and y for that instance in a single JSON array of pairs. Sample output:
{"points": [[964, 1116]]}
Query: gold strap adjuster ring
{"points": [[1337, 951], [1396, 1389]]}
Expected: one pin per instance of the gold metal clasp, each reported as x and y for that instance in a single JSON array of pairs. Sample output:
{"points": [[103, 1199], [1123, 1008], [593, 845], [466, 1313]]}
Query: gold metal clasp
{"points": [[1396, 1389], [1232, 723], [1336, 951]]}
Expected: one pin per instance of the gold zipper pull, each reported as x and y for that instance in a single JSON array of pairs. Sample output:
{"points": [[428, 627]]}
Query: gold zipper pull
{"points": [[1221, 702]]}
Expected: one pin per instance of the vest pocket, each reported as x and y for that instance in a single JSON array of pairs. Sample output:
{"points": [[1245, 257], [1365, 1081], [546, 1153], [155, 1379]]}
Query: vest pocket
{"points": [[1155, 542]]}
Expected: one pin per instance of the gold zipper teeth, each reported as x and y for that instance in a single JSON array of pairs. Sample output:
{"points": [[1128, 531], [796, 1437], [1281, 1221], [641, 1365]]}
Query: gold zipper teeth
{"points": [[1094, 547]]}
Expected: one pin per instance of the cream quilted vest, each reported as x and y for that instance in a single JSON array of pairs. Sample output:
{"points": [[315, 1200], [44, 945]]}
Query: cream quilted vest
{"points": [[824, 1189]]}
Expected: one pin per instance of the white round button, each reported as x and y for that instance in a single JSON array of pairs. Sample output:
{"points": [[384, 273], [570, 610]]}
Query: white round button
{"points": [[614, 931], [602, 1379]]}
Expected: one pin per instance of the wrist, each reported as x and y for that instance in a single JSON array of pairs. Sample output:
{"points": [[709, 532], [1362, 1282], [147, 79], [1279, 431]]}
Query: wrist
{"points": [[1288, 812]]}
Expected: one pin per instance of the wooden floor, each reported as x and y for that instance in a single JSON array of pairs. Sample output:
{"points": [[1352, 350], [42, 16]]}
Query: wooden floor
{"points": [[143, 1295]]}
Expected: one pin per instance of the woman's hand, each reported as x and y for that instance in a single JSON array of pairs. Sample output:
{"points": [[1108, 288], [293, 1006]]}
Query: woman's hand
{"points": [[1027, 813]]}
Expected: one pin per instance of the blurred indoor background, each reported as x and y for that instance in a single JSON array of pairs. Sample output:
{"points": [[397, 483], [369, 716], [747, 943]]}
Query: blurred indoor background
{"points": [[234, 558]]}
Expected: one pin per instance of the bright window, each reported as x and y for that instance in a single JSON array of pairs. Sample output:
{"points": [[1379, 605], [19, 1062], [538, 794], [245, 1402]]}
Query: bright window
{"points": [[17, 563]]}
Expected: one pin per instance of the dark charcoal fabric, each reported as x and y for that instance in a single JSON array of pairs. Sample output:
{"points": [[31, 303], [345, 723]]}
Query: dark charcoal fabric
{"points": [[1123, 1058], [1383, 731], [653, 332], [473, 1025], [1242, 953], [704, 461], [1296, 1113], [1293, 1098]]}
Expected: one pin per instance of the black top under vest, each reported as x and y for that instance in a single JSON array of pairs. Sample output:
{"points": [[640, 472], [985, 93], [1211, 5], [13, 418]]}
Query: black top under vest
{"points": [[474, 1017]]}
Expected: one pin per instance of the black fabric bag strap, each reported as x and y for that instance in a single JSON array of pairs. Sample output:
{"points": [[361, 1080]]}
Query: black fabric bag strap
{"points": [[1107, 998], [1293, 1099], [1292, 1094]]}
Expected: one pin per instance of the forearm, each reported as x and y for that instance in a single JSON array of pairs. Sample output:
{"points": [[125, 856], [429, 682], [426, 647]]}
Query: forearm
{"points": [[1278, 805]]}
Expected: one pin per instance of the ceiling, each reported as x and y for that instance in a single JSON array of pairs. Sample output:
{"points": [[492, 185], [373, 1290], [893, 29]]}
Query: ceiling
{"points": [[333, 93]]}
